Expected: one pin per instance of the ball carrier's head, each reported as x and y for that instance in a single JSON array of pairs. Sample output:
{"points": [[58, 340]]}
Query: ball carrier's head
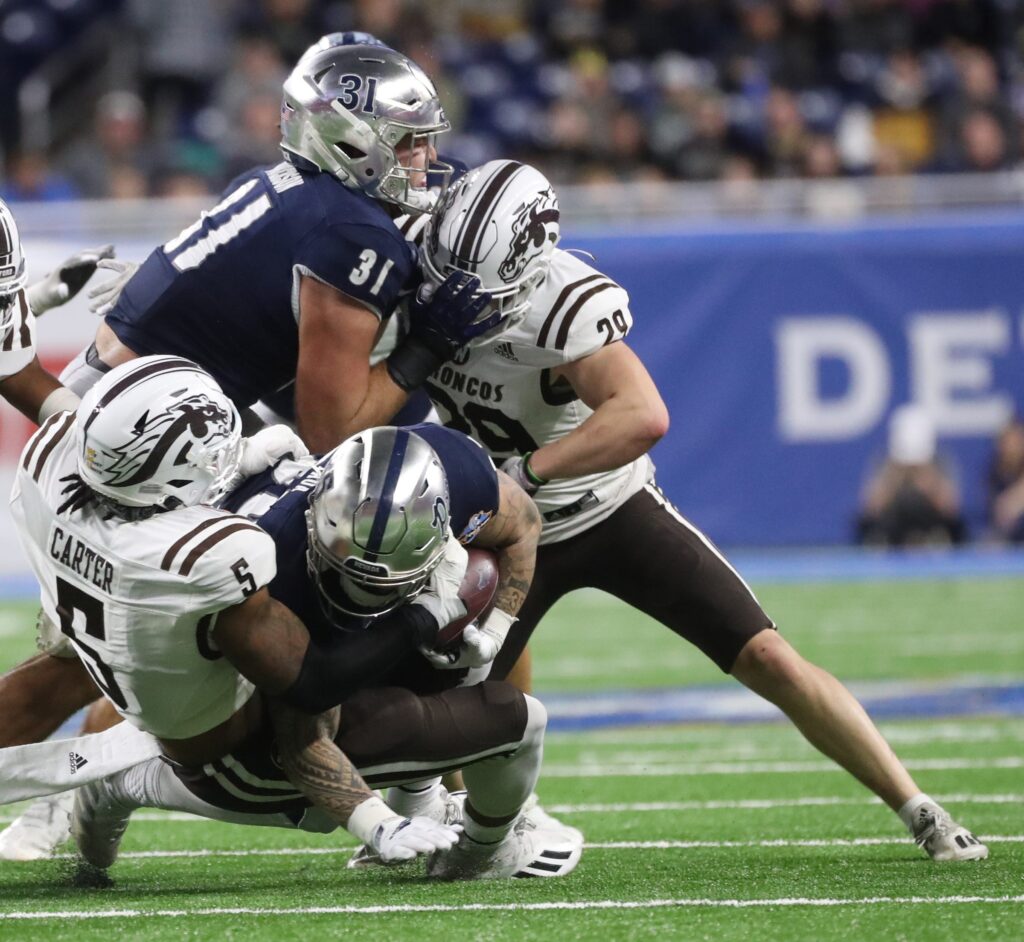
{"points": [[377, 522]]}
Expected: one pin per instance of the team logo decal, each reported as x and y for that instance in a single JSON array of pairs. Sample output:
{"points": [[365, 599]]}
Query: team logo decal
{"points": [[155, 435], [530, 230], [440, 521], [475, 525]]}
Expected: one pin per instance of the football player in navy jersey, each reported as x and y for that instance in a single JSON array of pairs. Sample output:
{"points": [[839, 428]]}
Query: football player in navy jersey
{"points": [[291, 278]]}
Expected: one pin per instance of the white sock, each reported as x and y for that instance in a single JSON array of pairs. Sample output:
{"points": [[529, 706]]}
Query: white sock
{"points": [[909, 810], [414, 798], [497, 788]]}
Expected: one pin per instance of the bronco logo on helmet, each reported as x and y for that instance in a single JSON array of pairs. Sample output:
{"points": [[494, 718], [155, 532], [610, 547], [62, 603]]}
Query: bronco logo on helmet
{"points": [[534, 224]]}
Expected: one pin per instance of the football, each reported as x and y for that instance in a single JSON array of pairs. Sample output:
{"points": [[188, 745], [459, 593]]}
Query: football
{"points": [[477, 591]]}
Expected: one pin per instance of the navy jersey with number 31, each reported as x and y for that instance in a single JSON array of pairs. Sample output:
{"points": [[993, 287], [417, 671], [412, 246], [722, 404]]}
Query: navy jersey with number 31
{"points": [[224, 292]]}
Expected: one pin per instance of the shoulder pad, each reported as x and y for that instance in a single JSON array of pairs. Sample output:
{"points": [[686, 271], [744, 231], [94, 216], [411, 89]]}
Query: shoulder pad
{"points": [[577, 309]]}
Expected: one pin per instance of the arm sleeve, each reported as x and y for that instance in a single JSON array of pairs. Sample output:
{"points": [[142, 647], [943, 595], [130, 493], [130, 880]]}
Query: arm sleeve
{"points": [[336, 667], [367, 263]]}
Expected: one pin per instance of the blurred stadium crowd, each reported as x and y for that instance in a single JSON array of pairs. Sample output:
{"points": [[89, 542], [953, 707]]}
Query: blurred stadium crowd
{"points": [[130, 98]]}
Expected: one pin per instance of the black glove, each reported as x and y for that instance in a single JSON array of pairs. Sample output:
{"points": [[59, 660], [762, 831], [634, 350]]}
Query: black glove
{"points": [[441, 321]]}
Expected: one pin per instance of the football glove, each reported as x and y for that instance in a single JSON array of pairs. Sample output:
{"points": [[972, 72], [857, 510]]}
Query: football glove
{"points": [[441, 320], [518, 469], [263, 450], [66, 281], [478, 647], [103, 297], [397, 839], [441, 596]]}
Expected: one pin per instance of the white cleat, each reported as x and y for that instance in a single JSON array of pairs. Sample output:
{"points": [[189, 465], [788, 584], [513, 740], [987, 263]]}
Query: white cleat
{"points": [[542, 821], [524, 852], [943, 839], [98, 823], [40, 830]]}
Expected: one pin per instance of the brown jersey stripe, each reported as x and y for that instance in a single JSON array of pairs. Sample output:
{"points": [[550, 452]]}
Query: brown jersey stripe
{"points": [[563, 328], [26, 334], [212, 540], [556, 308], [37, 439], [165, 563], [66, 421]]}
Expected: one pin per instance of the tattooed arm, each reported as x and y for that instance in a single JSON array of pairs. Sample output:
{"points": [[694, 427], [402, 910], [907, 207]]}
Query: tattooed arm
{"points": [[314, 763], [322, 772], [513, 533]]}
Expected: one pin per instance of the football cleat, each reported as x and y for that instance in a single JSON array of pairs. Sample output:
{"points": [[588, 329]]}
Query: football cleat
{"points": [[446, 808], [942, 838], [36, 834], [524, 852], [540, 819], [98, 823]]}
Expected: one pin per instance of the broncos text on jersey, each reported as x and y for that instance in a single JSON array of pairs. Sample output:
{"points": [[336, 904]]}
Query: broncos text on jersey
{"points": [[224, 292], [503, 395], [138, 599]]}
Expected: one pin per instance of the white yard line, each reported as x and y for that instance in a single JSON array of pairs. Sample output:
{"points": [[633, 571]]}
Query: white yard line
{"points": [[574, 905], [739, 804], [610, 770], [605, 845], [764, 803]]}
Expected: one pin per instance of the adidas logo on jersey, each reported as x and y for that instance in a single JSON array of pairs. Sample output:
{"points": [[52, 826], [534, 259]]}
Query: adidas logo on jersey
{"points": [[76, 761], [504, 350]]}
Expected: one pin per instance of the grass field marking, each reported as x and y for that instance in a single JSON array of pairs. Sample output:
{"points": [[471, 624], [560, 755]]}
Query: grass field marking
{"points": [[1012, 731], [608, 770], [515, 907], [740, 804], [762, 803], [603, 845]]}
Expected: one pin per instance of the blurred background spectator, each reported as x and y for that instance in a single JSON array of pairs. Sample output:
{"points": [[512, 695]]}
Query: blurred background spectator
{"points": [[911, 500], [134, 97], [1006, 483]]}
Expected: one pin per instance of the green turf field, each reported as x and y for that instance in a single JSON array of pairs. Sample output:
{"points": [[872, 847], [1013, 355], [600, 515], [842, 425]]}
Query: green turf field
{"points": [[715, 831]]}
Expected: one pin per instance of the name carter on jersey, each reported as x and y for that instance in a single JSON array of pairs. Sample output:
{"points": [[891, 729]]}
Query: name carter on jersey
{"points": [[71, 552]]}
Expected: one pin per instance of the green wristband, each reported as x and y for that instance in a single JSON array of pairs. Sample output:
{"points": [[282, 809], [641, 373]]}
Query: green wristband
{"points": [[531, 476]]}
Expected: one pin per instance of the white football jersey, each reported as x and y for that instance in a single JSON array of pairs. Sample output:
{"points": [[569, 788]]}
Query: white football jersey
{"points": [[139, 599], [502, 393], [18, 339]]}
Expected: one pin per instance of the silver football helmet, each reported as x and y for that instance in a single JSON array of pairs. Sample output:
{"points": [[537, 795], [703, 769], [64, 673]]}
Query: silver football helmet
{"points": [[377, 522], [500, 223], [158, 432], [346, 110], [12, 266]]}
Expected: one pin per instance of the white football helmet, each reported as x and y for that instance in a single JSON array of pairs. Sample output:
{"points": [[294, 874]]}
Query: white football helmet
{"points": [[158, 432], [377, 522], [500, 223], [12, 266], [347, 108]]}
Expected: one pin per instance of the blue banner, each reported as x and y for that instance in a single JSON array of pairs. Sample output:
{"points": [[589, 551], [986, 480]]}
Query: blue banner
{"points": [[781, 352]]}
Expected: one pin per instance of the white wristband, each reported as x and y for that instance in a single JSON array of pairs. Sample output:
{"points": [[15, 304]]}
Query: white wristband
{"points": [[367, 817], [497, 624], [61, 399]]}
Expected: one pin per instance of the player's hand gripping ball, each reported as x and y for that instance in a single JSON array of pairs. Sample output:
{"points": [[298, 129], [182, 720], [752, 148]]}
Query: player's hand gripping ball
{"points": [[477, 593]]}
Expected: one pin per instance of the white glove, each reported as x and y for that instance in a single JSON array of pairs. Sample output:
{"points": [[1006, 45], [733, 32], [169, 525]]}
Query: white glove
{"points": [[515, 468], [441, 597], [103, 297], [67, 280], [397, 839], [478, 646], [268, 446]]}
